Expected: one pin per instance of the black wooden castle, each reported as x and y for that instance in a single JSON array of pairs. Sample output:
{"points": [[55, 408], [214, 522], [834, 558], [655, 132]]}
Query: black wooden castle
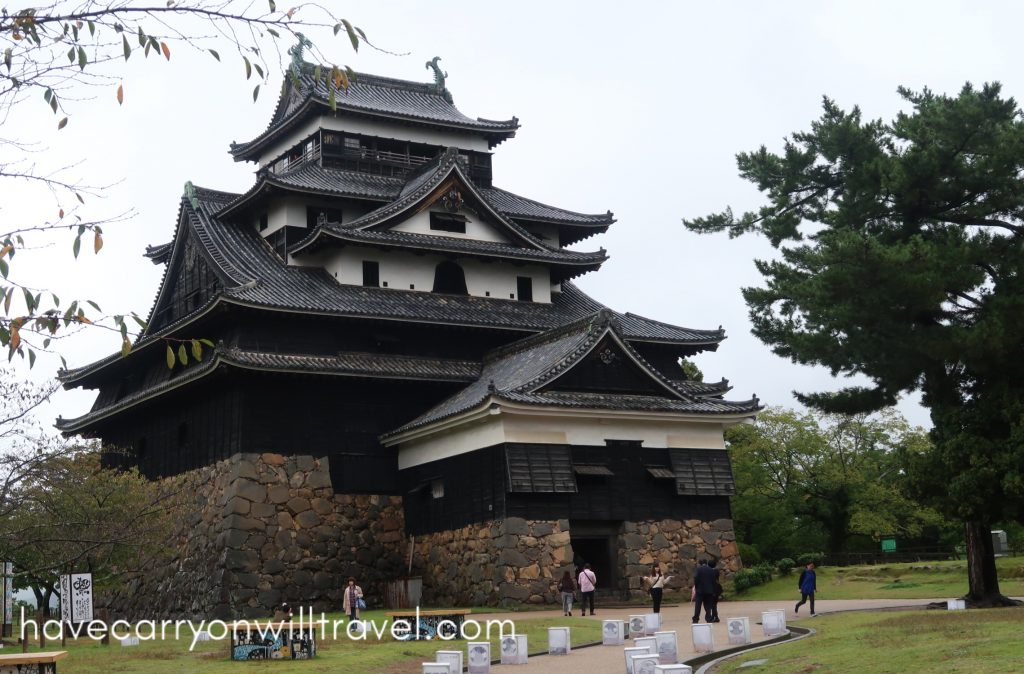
{"points": [[377, 300]]}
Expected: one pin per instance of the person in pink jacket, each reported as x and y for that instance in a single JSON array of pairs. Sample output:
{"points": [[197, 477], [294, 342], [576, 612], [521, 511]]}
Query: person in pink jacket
{"points": [[587, 581]]}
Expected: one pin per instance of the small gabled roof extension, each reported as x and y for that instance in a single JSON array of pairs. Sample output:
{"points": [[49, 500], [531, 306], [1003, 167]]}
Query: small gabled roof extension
{"points": [[314, 179], [421, 190], [417, 103], [524, 371]]}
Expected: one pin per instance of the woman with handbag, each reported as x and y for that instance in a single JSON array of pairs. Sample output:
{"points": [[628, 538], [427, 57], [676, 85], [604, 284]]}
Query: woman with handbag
{"points": [[657, 586], [353, 602]]}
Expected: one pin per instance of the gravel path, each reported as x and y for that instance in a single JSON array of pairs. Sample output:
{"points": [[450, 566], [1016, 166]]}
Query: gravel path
{"points": [[610, 659]]}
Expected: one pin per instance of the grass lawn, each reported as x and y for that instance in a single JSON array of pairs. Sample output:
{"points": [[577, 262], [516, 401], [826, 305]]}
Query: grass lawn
{"points": [[912, 580], [977, 641], [353, 657]]}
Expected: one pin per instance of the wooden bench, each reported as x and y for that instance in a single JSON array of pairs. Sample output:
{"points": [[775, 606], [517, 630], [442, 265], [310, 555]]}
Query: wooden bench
{"points": [[32, 663], [427, 628], [255, 640]]}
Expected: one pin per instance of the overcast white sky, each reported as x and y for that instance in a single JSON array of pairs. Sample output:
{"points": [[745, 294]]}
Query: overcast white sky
{"points": [[635, 107]]}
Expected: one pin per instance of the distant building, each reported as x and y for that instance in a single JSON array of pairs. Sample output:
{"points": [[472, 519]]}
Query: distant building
{"points": [[402, 357]]}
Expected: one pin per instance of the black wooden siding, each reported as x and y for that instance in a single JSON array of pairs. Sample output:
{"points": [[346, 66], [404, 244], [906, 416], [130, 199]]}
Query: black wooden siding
{"points": [[474, 491], [231, 411], [479, 479]]}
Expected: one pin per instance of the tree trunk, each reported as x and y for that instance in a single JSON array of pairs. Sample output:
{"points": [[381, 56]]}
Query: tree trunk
{"points": [[46, 605], [982, 579]]}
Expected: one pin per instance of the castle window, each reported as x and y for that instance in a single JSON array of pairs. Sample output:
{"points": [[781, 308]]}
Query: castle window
{"points": [[524, 288], [437, 488], [450, 279], [448, 222], [316, 215], [371, 274]]}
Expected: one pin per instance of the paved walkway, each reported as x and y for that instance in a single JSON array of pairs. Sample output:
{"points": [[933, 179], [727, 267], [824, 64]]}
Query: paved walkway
{"points": [[610, 659]]}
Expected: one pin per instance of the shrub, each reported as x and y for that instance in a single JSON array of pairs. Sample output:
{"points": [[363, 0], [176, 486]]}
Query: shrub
{"points": [[808, 557], [785, 566], [748, 578], [749, 554]]}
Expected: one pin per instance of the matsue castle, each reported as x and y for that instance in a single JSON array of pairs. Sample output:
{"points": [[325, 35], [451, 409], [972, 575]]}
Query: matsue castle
{"points": [[405, 378]]}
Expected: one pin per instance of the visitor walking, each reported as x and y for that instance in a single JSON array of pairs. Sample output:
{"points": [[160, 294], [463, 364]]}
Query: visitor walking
{"points": [[807, 584], [353, 602], [568, 590], [588, 581], [704, 579], [657, 583], [719, 591]]}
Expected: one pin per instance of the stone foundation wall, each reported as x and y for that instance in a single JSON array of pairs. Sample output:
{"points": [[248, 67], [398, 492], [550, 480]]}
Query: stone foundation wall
{"points": [[676, 546], [261, 529], [501, 563]]}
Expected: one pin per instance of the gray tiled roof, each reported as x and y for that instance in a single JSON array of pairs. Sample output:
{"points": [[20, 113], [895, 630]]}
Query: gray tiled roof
{"points": [[371, 365], [450, 244], [516, 206], [313, 178], [518, 372], [257, 277], [383, 97]]}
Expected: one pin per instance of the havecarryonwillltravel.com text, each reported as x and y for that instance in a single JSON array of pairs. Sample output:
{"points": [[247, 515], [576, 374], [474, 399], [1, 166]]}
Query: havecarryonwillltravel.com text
{"points": [[218, 630]]}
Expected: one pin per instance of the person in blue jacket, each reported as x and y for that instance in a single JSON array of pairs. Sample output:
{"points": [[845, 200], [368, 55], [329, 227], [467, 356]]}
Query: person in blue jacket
{"points": [[808, 583]]}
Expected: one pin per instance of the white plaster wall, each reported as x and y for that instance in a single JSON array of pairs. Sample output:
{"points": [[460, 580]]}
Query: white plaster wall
{"points": [[288, 212], [595, 430], [396, 131], [475, 228], [546, 233], [400, 270], [559, 430], [499, 279], [483, 433]]}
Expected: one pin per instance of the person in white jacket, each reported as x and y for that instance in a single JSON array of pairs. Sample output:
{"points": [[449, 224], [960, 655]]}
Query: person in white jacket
{"points": [[657, 583]]}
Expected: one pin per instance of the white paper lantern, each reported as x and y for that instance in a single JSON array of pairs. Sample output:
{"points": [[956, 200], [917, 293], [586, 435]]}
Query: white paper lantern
{"points": [[652, 623], [738, 630], [479, 657], [437, 668], [130, 641], [630, 652], [650, 643], [644, 664], [703, 638], [956, 605], [613, 632], [203, 636], [673, 669], [667, 647], [773, 624], [637, 625], [453, 658], [513, 649], [558, 641]]}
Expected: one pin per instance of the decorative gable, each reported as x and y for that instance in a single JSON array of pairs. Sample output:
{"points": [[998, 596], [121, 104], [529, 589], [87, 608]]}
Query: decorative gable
{"points": [[191, 282], [608, 369]]}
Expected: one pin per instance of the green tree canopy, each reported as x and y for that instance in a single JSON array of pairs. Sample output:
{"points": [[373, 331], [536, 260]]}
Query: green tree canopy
{"points": [[902, 245], [806, 482]]}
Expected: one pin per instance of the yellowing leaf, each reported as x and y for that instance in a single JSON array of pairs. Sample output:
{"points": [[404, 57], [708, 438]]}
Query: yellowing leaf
{"points": [[166, 50], [120, 98], [170, 357], [97, 242]]}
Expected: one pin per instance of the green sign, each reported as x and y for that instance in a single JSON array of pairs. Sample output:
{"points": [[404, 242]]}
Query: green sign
{"points": [[888, 545]]}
